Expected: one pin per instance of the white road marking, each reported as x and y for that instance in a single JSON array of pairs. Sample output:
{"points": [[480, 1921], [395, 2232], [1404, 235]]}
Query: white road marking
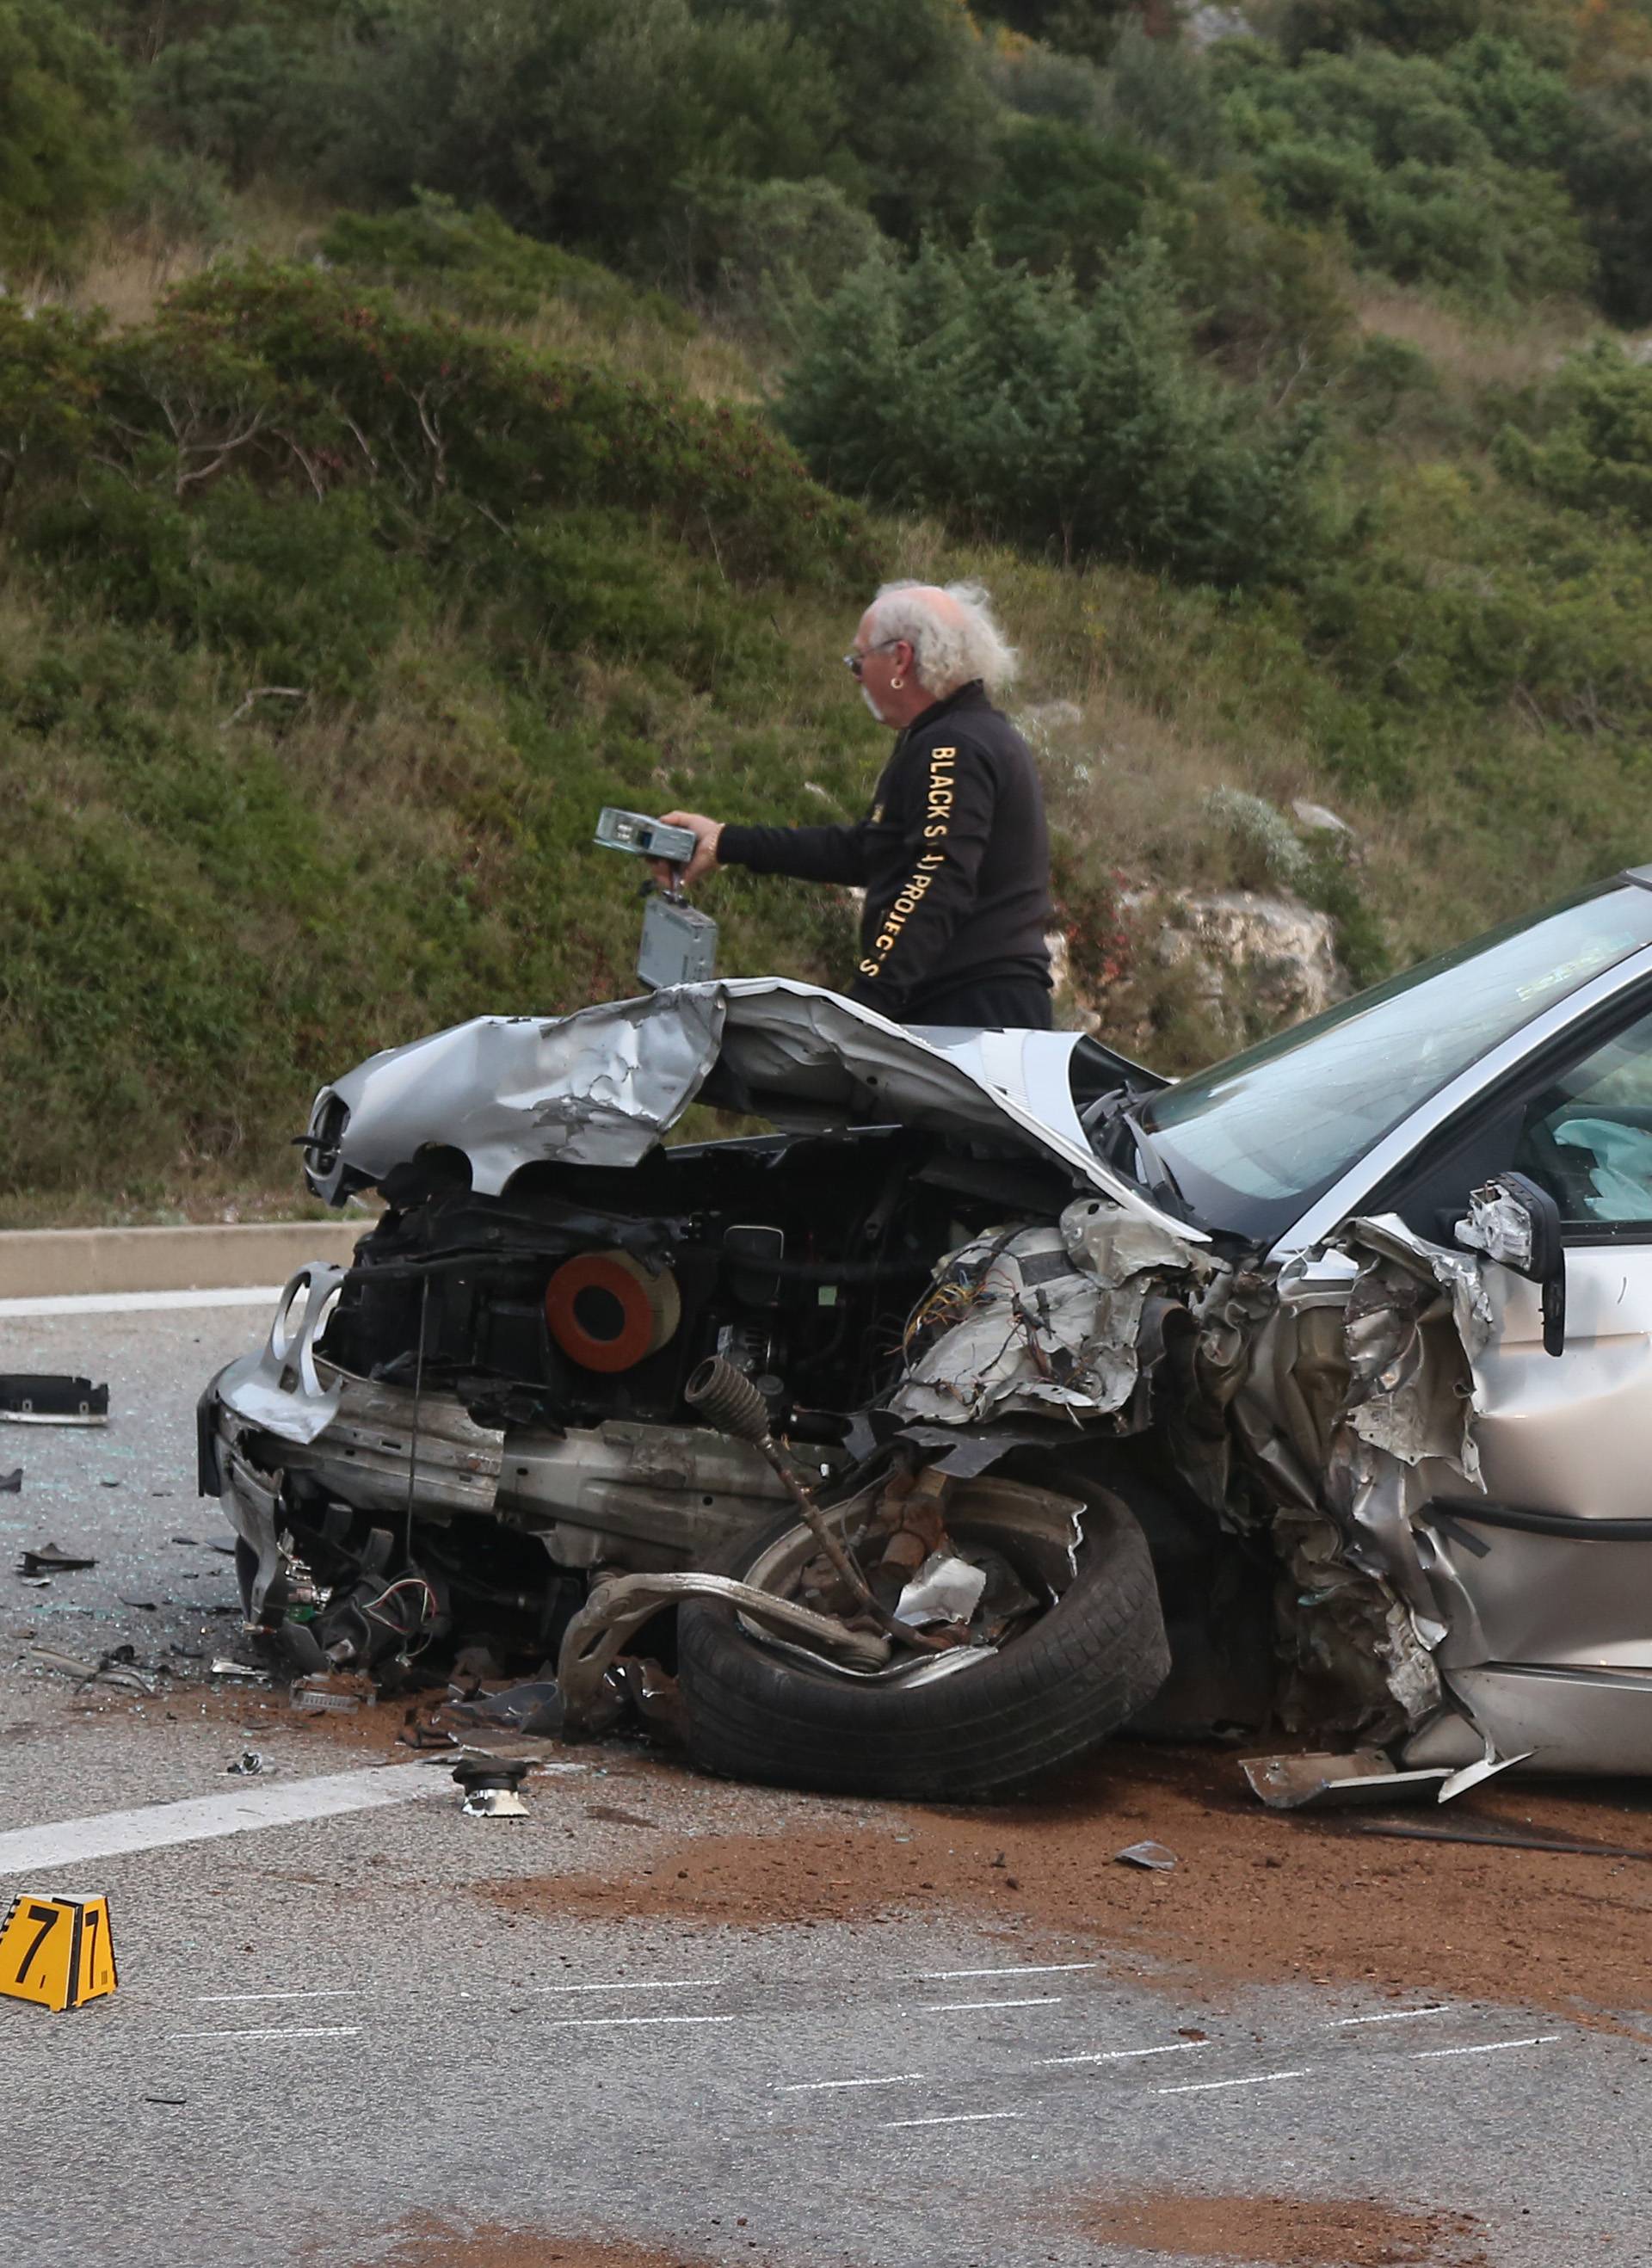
{"points": [[951, 2008], [280, 1803], [278, 2032], [1048, 1969], [643, 1985], [1122, 2055], [820, 2086], [1491, 2047], [332, 1993], [1210, 2086], [138, 1303], [588, 2023], [1393, 2016], [954, 2118]]}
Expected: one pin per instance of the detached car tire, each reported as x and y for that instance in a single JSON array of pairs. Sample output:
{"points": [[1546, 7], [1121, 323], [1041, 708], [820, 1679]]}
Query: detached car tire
{"points": [[1090, 1662]]}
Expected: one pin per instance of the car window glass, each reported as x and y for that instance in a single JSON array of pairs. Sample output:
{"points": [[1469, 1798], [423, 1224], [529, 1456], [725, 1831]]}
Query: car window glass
{"points": [[1586, 1136], [1253, 1141]]}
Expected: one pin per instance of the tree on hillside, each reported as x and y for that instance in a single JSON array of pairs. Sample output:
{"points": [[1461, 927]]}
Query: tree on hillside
{"points": [[63, 131], [917, 114]]}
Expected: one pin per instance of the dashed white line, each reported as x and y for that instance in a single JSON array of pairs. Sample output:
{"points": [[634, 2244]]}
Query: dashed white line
{"points": [[820, 2086], [1392, 2015], [590, 2023], [1122, 2055], [1490, 2047], [68, 1843], [955, 2007], [954, 2118], [956, 1976], [331, 1992], [278, 2032], [643, 1985], [1210, 2086]]}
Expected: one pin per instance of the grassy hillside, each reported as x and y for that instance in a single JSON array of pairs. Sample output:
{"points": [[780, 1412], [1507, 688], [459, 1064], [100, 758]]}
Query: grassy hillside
{"points": [[365, 543]]}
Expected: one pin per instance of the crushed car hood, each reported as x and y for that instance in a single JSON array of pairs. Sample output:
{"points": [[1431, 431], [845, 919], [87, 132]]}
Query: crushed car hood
{"points": [[603, 1087]]}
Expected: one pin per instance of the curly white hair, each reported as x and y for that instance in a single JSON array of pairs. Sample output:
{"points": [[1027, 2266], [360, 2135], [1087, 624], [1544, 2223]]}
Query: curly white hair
{"points": [[951, 631]]}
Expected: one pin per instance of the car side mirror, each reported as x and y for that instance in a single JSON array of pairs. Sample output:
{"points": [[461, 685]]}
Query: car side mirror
{"points": [[1516, 1224]]}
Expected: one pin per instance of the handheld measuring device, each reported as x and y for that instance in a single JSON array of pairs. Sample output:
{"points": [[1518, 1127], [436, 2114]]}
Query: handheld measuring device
{"points": [[679, 944]]}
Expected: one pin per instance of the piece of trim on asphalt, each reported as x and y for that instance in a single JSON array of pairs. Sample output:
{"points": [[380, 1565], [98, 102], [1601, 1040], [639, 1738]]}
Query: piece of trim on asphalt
{"points": [[201, 1818], [138, 1303]]}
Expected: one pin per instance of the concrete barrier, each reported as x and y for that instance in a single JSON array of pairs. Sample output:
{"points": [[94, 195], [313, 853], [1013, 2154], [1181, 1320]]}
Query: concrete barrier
{"points": [[60, 1263]]}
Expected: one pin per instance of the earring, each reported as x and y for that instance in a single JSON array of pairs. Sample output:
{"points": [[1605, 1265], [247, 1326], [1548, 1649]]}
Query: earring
{"points": [[895, 684]]}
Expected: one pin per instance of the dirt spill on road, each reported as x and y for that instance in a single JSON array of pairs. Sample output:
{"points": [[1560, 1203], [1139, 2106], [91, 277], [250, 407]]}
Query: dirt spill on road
{"points": [[1254, 1897], [425, 2242], [1279, 2232]]}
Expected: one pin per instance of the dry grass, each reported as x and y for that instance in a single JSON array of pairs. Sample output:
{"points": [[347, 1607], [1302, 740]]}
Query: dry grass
{"points": [[1471, 350]]}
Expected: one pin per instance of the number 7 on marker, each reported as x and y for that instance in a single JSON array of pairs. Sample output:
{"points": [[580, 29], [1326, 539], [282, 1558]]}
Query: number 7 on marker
{"points": [[47, 1917]]}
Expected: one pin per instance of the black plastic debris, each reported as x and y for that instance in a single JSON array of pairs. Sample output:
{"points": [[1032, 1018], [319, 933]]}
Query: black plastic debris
{"points": [[248, 1765], [51, 1398], [12, 1483], [491, 1784], [49, 1560], [536, 1707]]}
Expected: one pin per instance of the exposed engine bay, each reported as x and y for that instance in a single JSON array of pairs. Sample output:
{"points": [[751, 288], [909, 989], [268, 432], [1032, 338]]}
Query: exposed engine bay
{"points": [[911, 1448]]}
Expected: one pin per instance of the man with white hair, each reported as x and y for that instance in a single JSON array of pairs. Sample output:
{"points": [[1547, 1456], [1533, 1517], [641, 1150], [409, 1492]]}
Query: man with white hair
{"points": [[953, 855]]}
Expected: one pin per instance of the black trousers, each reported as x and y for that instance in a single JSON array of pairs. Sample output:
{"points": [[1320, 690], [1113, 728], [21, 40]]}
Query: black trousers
{"points": [[1002, 1004]]}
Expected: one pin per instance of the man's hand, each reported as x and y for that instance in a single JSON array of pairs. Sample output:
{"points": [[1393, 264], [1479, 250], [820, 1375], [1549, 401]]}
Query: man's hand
{"points": [[708, 833]]}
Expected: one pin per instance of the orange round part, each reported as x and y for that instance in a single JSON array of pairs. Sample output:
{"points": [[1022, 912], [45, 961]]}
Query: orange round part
{"points": [[606, 1312]]}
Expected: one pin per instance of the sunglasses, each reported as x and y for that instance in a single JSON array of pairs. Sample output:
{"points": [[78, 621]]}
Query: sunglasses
{"points": [[855, 663]]}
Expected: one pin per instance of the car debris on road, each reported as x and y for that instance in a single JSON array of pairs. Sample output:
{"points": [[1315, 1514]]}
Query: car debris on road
{"points": [[50, 1398], [1007, 1394]]}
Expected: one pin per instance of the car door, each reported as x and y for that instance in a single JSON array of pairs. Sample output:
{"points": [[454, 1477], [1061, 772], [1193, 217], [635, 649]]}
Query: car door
{"points": [[1548, 1579]]}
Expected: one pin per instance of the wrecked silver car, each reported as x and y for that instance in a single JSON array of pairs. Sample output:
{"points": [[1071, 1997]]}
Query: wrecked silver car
{"points": [[1005, 1394]]}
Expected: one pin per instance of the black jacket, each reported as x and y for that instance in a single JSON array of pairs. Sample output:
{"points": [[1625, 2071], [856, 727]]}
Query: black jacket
{"points": [[954, 857]]}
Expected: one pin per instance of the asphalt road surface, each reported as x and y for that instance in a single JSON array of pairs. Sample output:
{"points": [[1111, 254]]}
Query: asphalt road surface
{"points": [[332, 2030]]}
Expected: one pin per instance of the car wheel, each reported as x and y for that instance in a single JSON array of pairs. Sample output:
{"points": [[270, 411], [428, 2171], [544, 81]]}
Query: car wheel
{"points": [[759, 1710]]}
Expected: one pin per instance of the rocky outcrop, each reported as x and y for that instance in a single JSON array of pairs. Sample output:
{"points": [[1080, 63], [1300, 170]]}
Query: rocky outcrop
{"points": [[1257, 959]]}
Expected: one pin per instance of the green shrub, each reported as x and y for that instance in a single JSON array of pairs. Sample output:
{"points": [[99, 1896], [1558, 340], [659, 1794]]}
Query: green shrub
{"points": [[327, 383], [1166, 95], [240, 95], [773, 247], [582, 121], [916, 113], [472, 264], [1594, 447], [1265, 295], [1068, 197], [1034, 81], [1610, 172], [63, 131], [1386, 148], [1428, 27], [1080, 28], [1006, 401], [1380, 375]]}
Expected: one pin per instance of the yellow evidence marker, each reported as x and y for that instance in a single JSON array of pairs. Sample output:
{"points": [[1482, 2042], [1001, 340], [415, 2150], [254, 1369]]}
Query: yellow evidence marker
{"points": [[56, 1951]]}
